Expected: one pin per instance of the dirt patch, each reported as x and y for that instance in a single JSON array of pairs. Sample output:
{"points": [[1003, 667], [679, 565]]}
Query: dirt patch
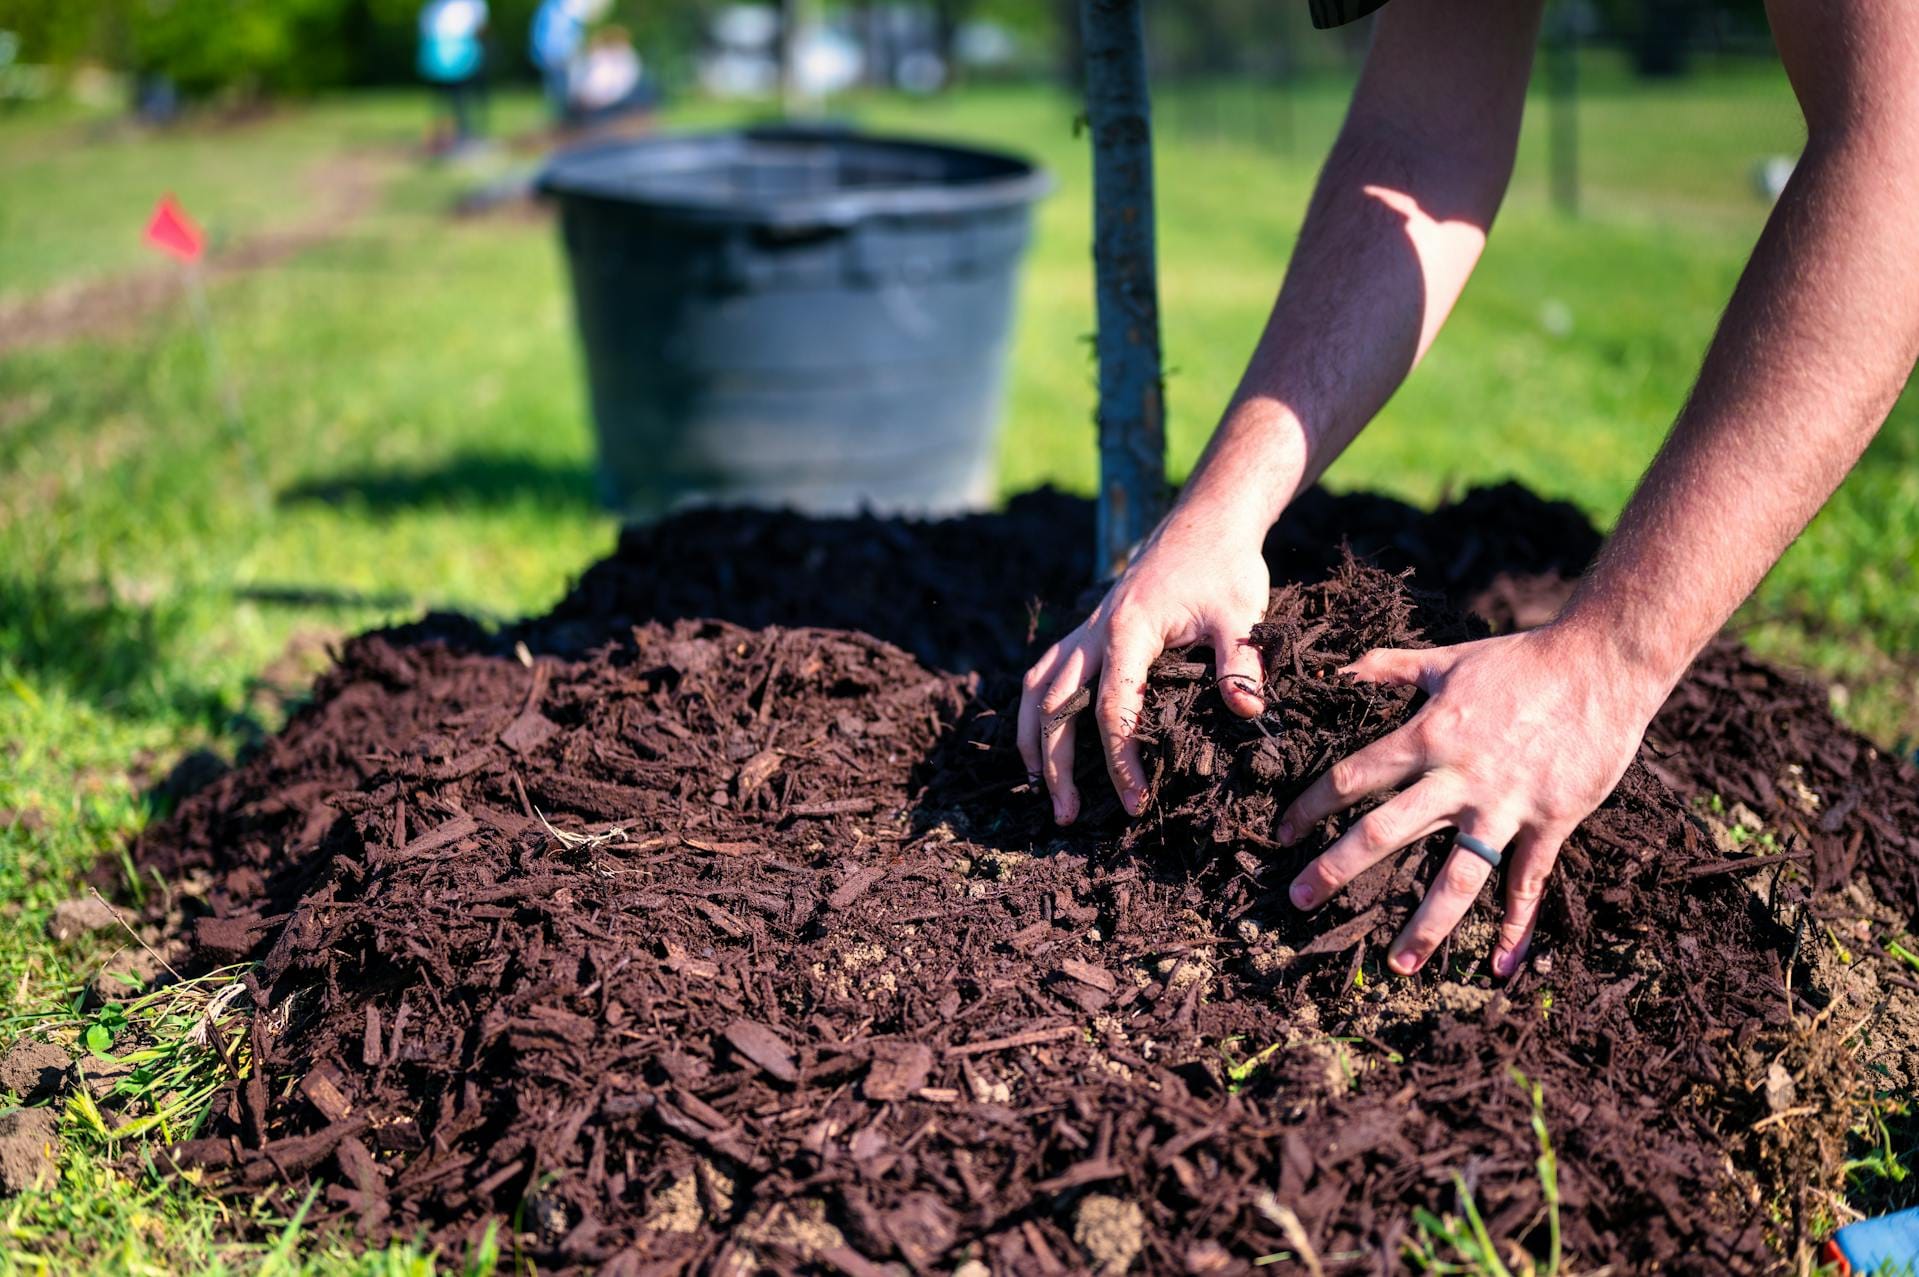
{"points": [[703, 945], [34, 1070], [29, 1150], [83, 915], [344, 189]]}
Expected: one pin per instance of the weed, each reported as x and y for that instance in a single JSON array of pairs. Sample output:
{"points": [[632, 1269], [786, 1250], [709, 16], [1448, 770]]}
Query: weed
{"points": [[177, 1045], [1883, 1162], [1902, 953], [1460, 1243], [1239, 1073]]}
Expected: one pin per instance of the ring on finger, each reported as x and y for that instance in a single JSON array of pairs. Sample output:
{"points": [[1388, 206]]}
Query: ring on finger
{"points": [[1481, 848]]}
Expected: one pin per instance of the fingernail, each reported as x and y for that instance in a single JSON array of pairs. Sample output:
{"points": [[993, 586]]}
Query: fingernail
{"points": [[1133, 800], [1062, 814], [1285, 835], [1405, 962], [1503, 963], [1302, 895]]}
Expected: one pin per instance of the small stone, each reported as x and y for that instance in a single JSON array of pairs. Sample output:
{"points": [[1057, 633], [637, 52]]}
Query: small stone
{"points": [[1781, 1090], [78, 917], [29, 1150], [35, 1070]]}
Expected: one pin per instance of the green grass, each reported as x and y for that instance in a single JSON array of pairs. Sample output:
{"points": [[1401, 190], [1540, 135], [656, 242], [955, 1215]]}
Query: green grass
{"points": [[412, 413], [1461, 1244]]}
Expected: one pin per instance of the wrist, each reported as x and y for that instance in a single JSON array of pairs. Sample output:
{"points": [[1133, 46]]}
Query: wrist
{"points": [[1221, 515], [1639, 662], [1250, 471]]}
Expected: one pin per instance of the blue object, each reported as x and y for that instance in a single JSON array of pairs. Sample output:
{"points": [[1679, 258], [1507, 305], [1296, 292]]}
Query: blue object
{"points": [[801, 317], [1889, 1244], [450, 48], [557, 33], [553, 43]]}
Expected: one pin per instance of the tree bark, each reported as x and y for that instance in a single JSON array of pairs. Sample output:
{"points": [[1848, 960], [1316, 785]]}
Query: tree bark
{"points": [[1132, 432]]}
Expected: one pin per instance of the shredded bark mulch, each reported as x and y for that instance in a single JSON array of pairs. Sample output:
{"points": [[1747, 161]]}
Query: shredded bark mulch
{"points": [[685, 934]]}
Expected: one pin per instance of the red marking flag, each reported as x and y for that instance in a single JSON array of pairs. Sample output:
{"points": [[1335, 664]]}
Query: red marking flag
{"points": [[171, 231]]}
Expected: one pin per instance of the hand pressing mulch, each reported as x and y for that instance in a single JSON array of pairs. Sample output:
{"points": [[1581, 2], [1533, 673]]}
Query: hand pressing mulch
{"points": [[718, 949]]}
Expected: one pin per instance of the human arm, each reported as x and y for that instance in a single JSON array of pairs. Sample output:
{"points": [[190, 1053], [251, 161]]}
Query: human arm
{"points": [[1394, 229], [1523, 735]]}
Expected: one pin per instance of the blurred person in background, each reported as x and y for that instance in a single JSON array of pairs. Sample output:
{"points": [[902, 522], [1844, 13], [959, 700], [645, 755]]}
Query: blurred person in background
{"points": [[453, 58], [608, 81], [560, 48], [555, 41]]}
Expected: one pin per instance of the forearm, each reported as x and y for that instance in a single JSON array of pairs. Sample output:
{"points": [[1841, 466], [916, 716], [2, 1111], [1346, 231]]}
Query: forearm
{"points": [[1372, 279], [1810, 356], [1393, 231]]}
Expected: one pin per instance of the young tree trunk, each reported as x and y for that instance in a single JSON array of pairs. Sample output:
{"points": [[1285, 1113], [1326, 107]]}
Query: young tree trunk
{"points": [[1132, 433]]}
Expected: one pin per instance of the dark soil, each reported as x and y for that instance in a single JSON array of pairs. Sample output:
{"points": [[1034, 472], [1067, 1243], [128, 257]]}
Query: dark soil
{"points": [[734, 943]]}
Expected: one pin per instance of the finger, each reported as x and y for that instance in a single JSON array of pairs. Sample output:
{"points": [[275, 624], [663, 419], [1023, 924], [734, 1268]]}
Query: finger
{"points": [[1391, 760], [1031, 689], [1400, 665], [1451, 894], [1122, 697], [1236, 662], [1057, 733], [1533, 854], [1425, 808]]}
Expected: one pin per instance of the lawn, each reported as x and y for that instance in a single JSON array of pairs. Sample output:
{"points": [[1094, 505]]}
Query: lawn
{"points": [[412, 434]]}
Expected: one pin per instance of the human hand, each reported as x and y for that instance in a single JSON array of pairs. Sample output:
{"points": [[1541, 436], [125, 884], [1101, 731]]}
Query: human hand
{"points": [[1199, 578], [1521, 738]]}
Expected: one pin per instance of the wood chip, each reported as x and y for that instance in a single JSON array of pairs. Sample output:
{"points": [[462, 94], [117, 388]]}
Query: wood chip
{"points": [[856, 885], [444, 835], [720, 848], [765, 1048], [1086, 973], [528, 732], [756, 771], [838, 807], [1345, 935], [1032, 1037], [899, 1069], [322, 1090]]}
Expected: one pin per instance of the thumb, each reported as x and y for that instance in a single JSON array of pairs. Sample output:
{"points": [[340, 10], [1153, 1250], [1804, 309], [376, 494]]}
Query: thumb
{"points": [[1236, 663], [1399, 665]]}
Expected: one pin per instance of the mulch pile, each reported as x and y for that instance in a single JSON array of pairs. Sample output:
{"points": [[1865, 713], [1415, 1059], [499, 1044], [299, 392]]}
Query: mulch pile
{"points": [[684, 934]]}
